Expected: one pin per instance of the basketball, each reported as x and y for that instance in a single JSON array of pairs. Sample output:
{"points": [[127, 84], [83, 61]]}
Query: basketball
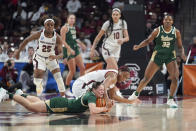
{"points": [[100, 102]]}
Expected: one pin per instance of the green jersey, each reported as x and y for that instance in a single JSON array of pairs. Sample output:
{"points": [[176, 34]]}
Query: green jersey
{"points": [[60, 104], [71, 36], [165, 42]]}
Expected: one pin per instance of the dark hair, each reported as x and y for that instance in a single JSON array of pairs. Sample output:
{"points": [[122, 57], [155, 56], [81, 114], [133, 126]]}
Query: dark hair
{"points": [[111, 24], [124, 69], [95, 85], [165, 15]]}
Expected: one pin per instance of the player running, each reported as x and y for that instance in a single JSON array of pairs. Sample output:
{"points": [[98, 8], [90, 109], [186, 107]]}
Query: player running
{"points": [[44, 57], [165, 37], [116, 34]]}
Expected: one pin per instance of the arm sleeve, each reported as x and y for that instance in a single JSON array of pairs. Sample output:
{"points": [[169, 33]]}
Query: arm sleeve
{"points": [[92, 99], [105, 26]]}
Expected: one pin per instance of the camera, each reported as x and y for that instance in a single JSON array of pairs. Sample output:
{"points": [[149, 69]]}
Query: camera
{"points": [[9, 63]]}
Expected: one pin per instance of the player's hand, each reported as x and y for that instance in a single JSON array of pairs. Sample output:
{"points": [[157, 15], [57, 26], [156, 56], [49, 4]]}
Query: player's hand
{"points": [[92, 53], [52, 57], [137, 101], [17, 55], [136, 47], [183, 56], [109, 103], [120, 41], [71, 51]]}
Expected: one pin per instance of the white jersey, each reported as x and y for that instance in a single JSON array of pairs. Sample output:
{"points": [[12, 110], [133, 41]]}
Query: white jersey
{"points": [[46, 46], [111, 38], [85, 82]]}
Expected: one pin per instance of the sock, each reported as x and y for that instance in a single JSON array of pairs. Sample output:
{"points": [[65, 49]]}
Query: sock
{"points": [[171, 97], [24, 95], [10, 95], [136, 93], [67, 86]]}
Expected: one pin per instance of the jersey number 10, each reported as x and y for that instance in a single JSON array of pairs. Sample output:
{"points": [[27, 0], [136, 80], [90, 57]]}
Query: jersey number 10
{"points": [[116, 35], [46, 48]]}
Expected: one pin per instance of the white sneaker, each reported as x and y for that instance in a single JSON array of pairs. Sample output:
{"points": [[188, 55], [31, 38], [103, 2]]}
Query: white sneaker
{"points": [[39, 90], [118, 93], [68, 93], [3, 95], [19, 92], [171, 103], [133, 96]]}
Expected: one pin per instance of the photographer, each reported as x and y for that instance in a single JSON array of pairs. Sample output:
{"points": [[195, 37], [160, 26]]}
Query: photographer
{"points": [[9, 76]]}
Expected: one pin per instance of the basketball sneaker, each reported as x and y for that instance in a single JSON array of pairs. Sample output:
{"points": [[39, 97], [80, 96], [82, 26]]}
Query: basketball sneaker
{"points": [[39, 90], [133, 96], [68, 93], [171, 103], [3, 95], [19, 92]]}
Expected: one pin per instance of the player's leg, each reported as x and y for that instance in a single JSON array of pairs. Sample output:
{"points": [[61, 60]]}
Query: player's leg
{"points": [[36, 106], [72, 69], [111, 63], [151, 69], [39, 70], [54, 68], [79, 62], [174, 74]]}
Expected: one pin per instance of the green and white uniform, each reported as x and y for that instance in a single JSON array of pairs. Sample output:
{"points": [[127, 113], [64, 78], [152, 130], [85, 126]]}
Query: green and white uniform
{"points": [[71, 41], [64, 105], [164, 51]]}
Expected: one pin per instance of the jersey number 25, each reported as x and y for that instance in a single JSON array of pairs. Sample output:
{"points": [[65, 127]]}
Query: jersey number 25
{"points": [[46, 48]]}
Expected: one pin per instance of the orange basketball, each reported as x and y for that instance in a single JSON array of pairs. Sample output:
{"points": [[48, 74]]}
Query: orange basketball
{"points": [[100, 102]]}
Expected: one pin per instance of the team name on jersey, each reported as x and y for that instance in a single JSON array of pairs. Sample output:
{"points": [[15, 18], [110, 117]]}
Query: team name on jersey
{"points": [[163, 38], [48, 43]]}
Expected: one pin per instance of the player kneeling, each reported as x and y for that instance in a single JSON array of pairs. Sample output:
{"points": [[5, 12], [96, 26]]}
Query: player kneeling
{"points": [[60, 104]]}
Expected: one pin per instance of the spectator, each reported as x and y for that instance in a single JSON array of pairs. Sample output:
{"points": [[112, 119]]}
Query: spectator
{"points": [[9, 76], [26, 78], [29, 57], [192, 47], [73, 6], [10, 54], [119, 4]]}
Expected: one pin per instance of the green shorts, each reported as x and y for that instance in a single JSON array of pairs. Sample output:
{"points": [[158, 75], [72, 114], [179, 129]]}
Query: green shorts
{"points": [[57, 105], [69, 56], [160, 60]]}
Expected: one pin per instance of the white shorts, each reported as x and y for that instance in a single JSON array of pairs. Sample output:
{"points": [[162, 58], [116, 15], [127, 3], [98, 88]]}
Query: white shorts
{"points": [[44, 63], [111, 51], [79, 88]]}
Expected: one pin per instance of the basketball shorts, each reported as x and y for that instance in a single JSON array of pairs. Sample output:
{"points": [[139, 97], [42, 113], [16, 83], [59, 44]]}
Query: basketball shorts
{"points": [[57, 105], [79, 88], [160, 60], [110, 51], [44, 63], [70, 56]]}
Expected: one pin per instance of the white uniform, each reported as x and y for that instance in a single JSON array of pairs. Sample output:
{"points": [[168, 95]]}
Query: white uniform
{"points": [[83, 83], [46, 47], [110, 47]]}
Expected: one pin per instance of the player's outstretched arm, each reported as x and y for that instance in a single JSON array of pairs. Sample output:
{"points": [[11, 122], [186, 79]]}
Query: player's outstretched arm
{"points": [[114, 96], [145, 42], [94, 110], [96, 41], [34, 36], [180, 46]]}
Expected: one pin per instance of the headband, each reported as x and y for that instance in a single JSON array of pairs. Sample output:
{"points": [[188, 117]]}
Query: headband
{"points": [[116, 9], [48, 20]]}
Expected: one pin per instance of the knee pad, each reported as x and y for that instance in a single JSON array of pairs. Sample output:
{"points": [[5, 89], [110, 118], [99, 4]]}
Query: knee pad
{"points": [[59, 81]]}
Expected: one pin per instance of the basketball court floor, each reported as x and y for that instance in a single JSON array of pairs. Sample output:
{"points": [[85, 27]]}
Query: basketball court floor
{"points": [[152, 114]]}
